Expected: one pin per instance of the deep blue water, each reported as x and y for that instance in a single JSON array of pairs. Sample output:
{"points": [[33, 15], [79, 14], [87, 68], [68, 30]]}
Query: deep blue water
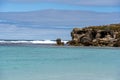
{"points": [[59, 63]]}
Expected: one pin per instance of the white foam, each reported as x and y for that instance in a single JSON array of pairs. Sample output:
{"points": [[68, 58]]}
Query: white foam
{"points": [[65, 42], [43, 42], [14, 42], [32, 42]]}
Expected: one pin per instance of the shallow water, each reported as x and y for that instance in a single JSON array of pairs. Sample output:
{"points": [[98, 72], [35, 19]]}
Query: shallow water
{"points": [[59, 63]]}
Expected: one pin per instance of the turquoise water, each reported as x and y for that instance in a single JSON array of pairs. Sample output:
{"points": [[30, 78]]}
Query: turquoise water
{"points": [[59, 63]]}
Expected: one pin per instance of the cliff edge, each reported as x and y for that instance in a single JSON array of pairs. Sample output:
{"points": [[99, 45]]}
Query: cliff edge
{"points": [[107, 35]]}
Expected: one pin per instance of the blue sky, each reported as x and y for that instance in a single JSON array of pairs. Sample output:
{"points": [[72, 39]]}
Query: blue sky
{"points": [[28, 19], [32, 5], [20, 7]]}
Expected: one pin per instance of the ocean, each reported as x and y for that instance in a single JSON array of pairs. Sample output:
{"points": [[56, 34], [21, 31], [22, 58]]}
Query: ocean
{"points": [[49, 62]]}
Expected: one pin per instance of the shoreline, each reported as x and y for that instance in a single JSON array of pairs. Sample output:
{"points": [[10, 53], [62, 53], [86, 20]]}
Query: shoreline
{"points": [[56, 46], [45, 43]]}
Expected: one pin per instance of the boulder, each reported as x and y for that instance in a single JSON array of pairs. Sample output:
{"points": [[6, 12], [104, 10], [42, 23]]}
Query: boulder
{"points": [[58, 42]]}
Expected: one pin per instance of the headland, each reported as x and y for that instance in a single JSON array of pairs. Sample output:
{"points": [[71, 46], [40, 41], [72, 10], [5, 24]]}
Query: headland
{"points": [[105, 35]]}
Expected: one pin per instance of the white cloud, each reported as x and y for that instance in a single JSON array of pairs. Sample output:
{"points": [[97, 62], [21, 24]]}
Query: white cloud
{"points": [[16, 32], [47, 24], [61, 18]]}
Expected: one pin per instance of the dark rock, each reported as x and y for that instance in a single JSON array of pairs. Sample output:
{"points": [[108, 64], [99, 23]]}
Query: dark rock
{"points": [[74, 43], [85, 40], [117, 43], [58, 42]]}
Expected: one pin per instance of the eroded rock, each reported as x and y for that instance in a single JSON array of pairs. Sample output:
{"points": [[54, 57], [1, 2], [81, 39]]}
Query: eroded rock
{"points": [[92, 37]]}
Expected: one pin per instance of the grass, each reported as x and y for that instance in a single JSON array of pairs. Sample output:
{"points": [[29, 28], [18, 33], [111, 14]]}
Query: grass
{"points": [[112, 27]]}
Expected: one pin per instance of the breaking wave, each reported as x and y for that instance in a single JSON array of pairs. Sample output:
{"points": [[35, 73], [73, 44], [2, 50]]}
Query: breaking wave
{"points": [[29, 42]]}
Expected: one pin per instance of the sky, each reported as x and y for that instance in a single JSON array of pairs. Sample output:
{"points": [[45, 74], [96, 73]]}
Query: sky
{"points": [[51, 19]]}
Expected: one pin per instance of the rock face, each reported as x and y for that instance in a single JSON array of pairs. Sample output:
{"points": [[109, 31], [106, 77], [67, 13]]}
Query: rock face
{"points": [[94, 37]]}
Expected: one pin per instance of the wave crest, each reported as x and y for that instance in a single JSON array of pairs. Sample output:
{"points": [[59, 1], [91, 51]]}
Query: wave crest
{"points": [[29, 42]]}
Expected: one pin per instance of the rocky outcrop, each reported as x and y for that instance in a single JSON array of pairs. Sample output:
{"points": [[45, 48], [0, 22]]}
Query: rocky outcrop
{"points": [[94, 37], [59, 42]]}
